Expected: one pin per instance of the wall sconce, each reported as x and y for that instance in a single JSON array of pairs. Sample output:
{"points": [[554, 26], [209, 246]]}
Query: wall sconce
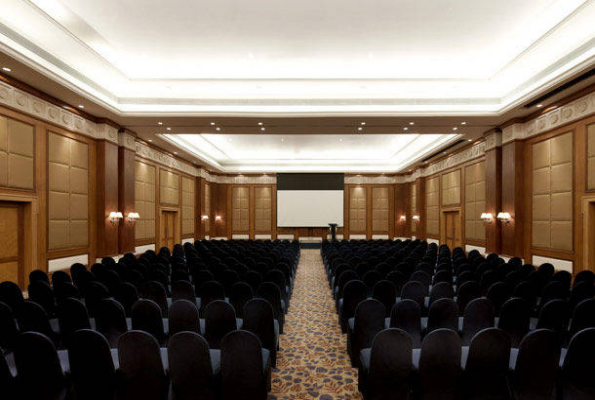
{"points": [[416, 217], [132, 217], [487, 217], [205, 217], [403, 218], [504, 217], [217, 217], [115, 217]]}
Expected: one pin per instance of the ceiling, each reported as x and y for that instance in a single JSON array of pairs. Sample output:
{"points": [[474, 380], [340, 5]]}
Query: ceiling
{"points": [[373, 74], [238, 57], [310, 153]]}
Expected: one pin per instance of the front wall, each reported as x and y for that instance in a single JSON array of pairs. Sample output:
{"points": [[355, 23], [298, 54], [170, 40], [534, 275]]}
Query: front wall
{"points": [[144, 196], [169, 183], [17, 154], [357, 210], [188, 206], [68, 193], [552, 193], [413, 207], [475, 205], [240, 209], [380, 209], [433, 206], [451, 188], [262, 209]]}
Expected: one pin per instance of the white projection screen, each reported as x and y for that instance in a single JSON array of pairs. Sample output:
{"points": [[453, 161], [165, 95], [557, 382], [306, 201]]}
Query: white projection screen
{"points": [[309, 200]]}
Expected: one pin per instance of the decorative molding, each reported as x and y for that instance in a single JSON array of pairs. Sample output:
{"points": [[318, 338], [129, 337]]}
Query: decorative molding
{"points": [[269, 179], [240, 237], [482, 250], [493, 140], [127, 141], [559, 265], [165, 159], [380, 237], [371, 180], [65, 263], [142, 249], [285, 237], [189, 240], [357, 237], [433, 241], [262, 237]]}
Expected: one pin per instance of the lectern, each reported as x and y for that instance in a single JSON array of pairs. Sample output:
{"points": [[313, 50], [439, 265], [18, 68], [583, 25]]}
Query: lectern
{"points": [[333, 231]]}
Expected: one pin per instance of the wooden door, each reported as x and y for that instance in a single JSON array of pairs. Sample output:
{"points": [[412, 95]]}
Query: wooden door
{"points": [[11, 242], [168, 229], [452, 229]]}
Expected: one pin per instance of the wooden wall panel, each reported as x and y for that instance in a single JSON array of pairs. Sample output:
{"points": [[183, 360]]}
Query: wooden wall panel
{"points": [[451, 188], [208, 208], [591, 157], [262, 209], [433, 207], [188, 206], [169, 186], [475, 205], [240, 209], [68, 193], [107, 198], [126, 197], [402, 210], [380, 209], [357, 210], [144, 193], [413, 208], [17, 154]]}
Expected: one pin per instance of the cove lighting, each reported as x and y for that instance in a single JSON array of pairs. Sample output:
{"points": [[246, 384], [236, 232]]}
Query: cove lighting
{"points": [[6, 69]]}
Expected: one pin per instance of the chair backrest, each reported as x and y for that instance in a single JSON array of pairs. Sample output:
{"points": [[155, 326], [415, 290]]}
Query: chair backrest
{"points": [[514, 319], [390, 365], [254, 279], [581, 291], [578, 368], [94, 293], [8, 327], [141, 371], [32, 317], [422, 277], [416, 291], [127, 295], [211, 291], [369, 321], [536, 367], [39, 374], [72, 316], [242, 372], [478, 315], [487, 365], [220, 319], [11, 294], [183, 316], [584, 276], [444, 313], [241, 293], [91, 366], [146, 316], [41, 293], [190, 366], [439, 365], [406, 315], [552, 291], [110, 320], [182, 290], [385, 292], [441, 290], [259, 319], [583, 317], [38, 275], [353, 293], [60, 277], [153, 290], [555, 315], [498, 293], [466, 292]]}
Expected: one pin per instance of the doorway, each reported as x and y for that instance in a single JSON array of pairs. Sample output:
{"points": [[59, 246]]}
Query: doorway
{"points": [[168, 228], [452, 229], [12, 242]]}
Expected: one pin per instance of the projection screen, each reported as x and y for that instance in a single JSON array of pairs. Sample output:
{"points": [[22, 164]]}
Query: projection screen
{"points": [[309, 200]]}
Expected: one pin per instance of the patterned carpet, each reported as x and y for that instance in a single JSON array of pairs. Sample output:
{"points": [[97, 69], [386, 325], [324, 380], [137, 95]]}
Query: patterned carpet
{"points": [[313, 361]]}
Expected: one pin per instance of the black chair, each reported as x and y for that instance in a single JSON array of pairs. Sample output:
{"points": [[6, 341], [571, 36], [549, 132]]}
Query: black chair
{"points": [[367, 322], [515, 317], [527, 290], [444, 313], [578, 368], [555, 315], [59, 277], [370, 279], [243, 370], [498, 293], [95, 292], [220, 319], [75, 269], [534, 375], [38, 275], [353, 293], [39, 373], [260, 320], [254, 279], [82, 280], [210, 291], [486, 368], [190, 367], [41, 293], [422, 277], [478, 315], [65, 290], [443, 276], [581, 291], [385, 292], [584, 276], [416, 291], [110, 320], [8, 327], [126, 294], [466, 292], [240, 294], [92, 369], [441, 290], [7, 381], [183, 316], [182, 290], [32, 317], [153, 290], [271, 293], [386, 366], [439, 365], [553, 291], [146, 316], [12, 295], [406, 315], [583, 317], [72, 316], [141, 371]]}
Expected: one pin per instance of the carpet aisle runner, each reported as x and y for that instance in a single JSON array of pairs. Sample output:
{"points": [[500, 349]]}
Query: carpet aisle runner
{"points": [[313, 362]]}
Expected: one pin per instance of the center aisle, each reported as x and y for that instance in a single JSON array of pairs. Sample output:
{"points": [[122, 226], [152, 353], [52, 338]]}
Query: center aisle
{"points": [[313, 362]]}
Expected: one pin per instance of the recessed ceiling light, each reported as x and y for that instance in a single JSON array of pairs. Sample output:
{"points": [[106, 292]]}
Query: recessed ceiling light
{"points": [[405, 129], [159, 123], [260, 123], [363, 123], [150, 140], [81, 106], [341, 139], [230, 139], [168, 128], [262, 129], [282, 139], [212, 123], [469, 140], [412, 123], [175, 152], [464, 123], [6, 69], [217, 128], [539, 105], [455, 128]]}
